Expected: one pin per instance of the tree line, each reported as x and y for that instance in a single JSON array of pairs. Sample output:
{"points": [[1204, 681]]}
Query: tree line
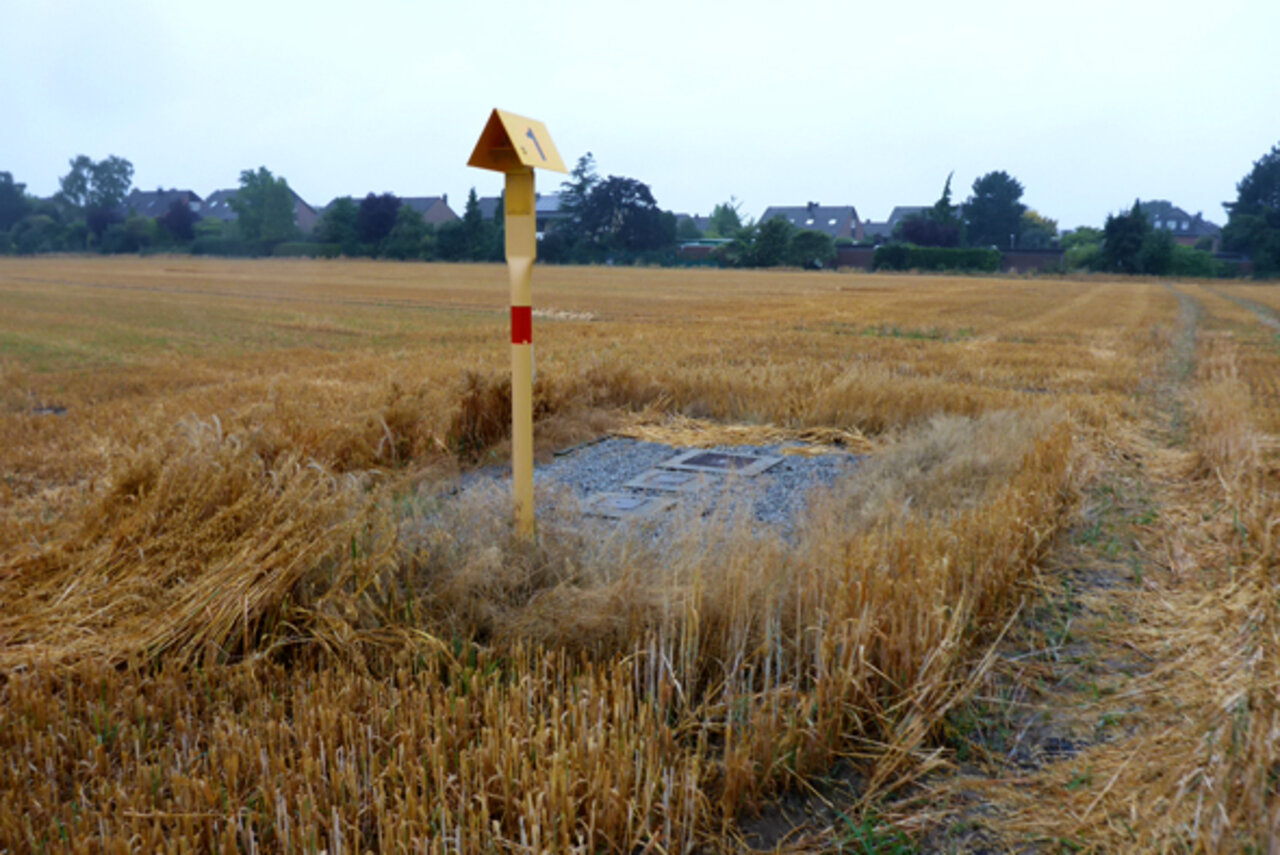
{"points": [[615, 219]]}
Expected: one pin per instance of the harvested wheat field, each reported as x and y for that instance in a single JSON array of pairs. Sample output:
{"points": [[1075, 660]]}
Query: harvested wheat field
{"points": [[242, 609]]}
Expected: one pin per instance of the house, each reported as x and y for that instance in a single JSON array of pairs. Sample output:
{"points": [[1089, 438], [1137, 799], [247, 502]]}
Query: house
{"points": [[152, 204], [1186, 229], [489, 206], [546, 209], [434, 209], [702, 224], [838, 221], [218, 206], [879, 232]]}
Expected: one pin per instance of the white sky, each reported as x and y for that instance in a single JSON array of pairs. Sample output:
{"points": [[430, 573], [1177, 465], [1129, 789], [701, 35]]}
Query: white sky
{"points": [[1088, 103]]}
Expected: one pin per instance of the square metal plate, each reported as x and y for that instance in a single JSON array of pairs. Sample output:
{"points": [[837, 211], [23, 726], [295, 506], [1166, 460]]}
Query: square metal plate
{"points": [[721, 462], [622, 506], [671, 480]]}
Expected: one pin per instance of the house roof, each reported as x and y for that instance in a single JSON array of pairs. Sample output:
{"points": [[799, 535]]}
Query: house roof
{"points": [[421, 204], [155, 203], [901, 212], [834, 220], [877, 230], [548, 205], [1165, 215], [217, 204], [699, 223]]}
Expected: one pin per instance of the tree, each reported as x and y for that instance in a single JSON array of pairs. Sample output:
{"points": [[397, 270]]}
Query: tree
{"points": [[993, 214], [13, 201], [74, 186], [726, 220], [1156, 258], [96, 185], [36, 233], [924, 230], [1038, 232], [811, 250], [936, 226], [475, 231], [376, 219], [409, 237], [620, 213], [96, 190], [1082, 248], [179, 221], [111, 180], [338, 225], [264, 207], [135, 234], [98, 220], [1253, 224], [943, 212], [575, 192], [1122, 239], [772, 240], [687, 229]]}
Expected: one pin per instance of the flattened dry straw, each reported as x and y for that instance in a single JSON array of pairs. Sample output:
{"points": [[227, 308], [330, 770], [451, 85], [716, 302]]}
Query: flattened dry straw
{"points": [[682, 431]]}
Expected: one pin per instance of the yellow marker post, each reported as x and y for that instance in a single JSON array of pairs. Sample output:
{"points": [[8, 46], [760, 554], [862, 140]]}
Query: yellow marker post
{"points": [[516, 146]]}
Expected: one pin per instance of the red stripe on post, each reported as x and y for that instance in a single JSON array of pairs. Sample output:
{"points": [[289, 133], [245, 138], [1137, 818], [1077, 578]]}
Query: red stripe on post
{"points": [[522, 325]]}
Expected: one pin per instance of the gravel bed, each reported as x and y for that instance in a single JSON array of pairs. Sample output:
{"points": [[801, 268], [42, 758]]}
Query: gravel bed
{"points": [[775, 496]]}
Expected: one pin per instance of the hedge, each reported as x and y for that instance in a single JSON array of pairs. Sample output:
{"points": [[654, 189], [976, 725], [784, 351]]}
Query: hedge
{"points": [[307, 249], [905, 256], [222, 246]]}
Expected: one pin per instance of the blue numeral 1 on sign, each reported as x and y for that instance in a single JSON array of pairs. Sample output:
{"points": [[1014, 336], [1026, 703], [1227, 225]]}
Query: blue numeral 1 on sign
{"points": [[530, 134]]}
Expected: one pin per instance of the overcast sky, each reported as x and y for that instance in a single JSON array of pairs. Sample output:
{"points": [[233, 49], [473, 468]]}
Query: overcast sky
{"points": [[1089, 103]]}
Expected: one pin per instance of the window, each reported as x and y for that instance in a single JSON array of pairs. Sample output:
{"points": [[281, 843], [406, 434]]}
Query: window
{"points": [[1185, 225], [1157, 224], [809, 221], [831, 222]]}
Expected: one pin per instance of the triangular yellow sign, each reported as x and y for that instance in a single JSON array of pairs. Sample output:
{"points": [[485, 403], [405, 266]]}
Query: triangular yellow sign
{"points": [[510, 142]]}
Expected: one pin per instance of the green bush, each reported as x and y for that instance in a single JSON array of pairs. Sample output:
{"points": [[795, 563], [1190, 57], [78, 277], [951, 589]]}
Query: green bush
{"points": [[811, 250], [36, 233], [1083, 256], [307, 249], [1186, 261], [904, 256]]}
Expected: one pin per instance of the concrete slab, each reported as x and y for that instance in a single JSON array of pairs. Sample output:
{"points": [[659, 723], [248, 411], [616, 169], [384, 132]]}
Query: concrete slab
{"points": [[721, 462], [672, 481], [625, 506]]}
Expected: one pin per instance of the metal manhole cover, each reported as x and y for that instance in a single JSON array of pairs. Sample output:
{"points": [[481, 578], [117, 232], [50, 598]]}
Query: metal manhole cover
{"points": [[722, 462], [671, 481], [619, 506]]}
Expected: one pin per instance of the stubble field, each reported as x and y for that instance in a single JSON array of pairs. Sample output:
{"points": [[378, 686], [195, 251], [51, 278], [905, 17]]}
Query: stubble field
{"points": [[242, 610]]}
